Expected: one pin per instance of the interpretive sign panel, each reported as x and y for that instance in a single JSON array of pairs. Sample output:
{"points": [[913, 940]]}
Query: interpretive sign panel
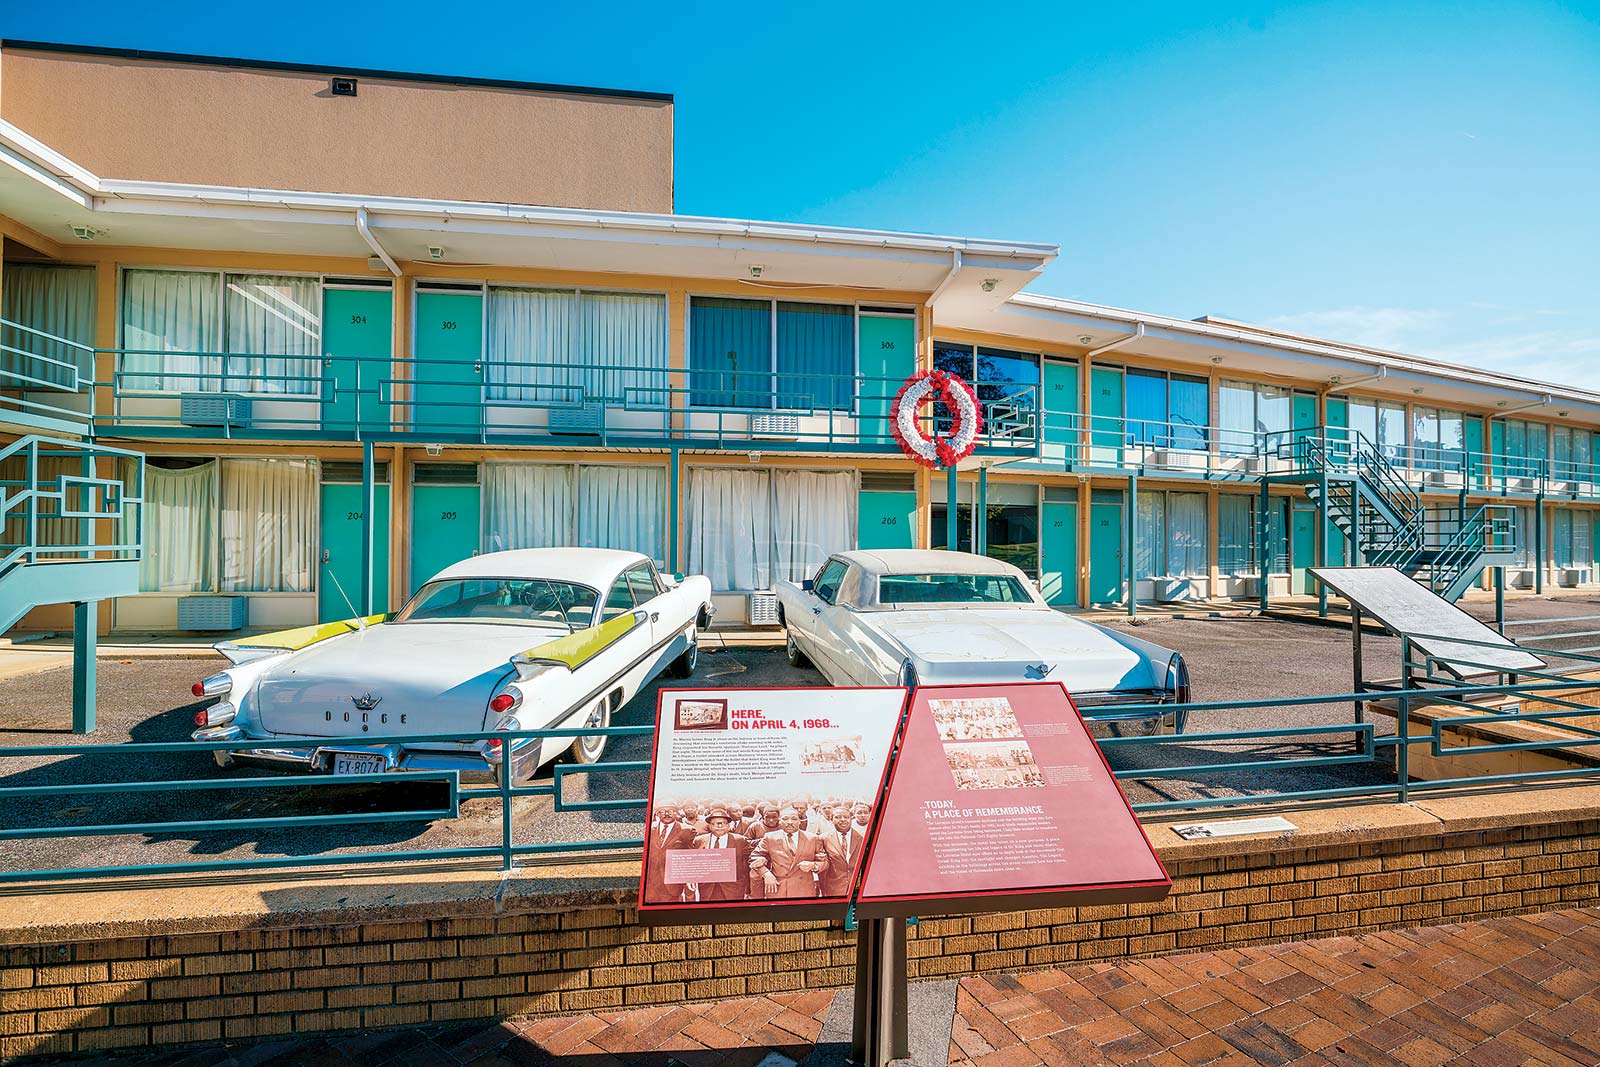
{"points": [[763, 797], [1000, 799]]}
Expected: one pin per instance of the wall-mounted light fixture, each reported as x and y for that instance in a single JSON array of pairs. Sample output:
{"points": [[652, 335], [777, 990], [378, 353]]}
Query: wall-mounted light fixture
{"points": [[433, 450], [342, 87], [756, 269], [989, 284], [435, 252], [84, 233], [755, 457], [1086, 339]]}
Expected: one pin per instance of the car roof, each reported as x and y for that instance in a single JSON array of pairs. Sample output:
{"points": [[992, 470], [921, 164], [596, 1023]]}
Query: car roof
{"points": [[594, 567], [926, 561]]}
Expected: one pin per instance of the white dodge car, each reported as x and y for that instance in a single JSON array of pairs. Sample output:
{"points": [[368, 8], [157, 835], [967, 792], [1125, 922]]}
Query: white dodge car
{"points": [[908, 617], [524, 640]]}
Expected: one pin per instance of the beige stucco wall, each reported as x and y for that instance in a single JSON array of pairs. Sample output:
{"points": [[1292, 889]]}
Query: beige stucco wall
{"points": [[167, 121]]}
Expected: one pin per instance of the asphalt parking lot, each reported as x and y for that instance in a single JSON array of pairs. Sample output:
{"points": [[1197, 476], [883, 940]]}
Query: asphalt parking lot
{"points": [[1236, 657]]}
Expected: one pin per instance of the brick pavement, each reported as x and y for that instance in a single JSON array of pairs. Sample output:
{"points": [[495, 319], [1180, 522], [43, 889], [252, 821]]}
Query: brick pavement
{"points": [[1494, 993]]}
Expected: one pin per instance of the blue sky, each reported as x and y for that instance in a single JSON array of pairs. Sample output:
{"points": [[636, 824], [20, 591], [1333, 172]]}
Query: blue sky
{"points": [[1418, 176]]}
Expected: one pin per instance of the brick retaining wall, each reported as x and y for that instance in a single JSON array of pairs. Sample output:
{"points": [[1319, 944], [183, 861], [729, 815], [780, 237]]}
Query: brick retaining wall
{"points": [[84, 994]]}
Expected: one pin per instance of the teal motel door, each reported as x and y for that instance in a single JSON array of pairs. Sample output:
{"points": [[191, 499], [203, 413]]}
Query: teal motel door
{"points": [[1058, 551], [1108, 430], [447, 374], [339, 574], [357, 366], [888, 356], [444, 527], [1472, 442], [1106, 547], [1303, 550], [1497, 450], [1337, 419], [1062, 405], [886, 518]]}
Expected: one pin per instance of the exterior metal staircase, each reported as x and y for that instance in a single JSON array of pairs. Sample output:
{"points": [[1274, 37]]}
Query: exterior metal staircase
{"points": [[71, 534], [1385, 518]]}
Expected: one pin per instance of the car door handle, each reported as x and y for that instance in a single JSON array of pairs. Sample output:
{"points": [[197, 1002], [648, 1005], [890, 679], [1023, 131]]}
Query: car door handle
{"points": [[816, 611], [655, 616]]}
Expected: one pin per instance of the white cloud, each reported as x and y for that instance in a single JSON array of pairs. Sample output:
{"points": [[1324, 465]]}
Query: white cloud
{"points": [[1532, 343]]}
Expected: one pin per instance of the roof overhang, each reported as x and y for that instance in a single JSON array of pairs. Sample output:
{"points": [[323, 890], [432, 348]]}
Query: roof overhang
{"points": [[51, 194], [1242, 349]]}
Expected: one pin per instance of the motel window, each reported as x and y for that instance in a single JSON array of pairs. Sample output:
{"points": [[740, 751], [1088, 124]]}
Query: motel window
{"points": [[1526, 447], [765, 354], [1168, 410], [1236, 534], [1254, 416], [1010, 518], [995, 374], [1571, 455], [749, 528], [545, 505], [1171, 540], [229, 525], [1382, 423], [1437, 439], [570, 346], [204, 331], [53, 299]]}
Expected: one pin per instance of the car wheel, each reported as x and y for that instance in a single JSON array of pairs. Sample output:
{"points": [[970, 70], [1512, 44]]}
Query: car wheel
{"points": [[590, 749], [796, 657], [684, 665]]}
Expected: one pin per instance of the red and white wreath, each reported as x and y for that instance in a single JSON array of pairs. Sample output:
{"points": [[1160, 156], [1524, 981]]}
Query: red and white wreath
{"points": [[966, 418]]}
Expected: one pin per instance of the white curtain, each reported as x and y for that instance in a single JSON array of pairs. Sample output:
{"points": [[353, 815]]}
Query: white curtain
{"points": [[171, 327], [1237, 414], [268, 525], [527, 505], [730, 527], [1151, 537], [180, 509], [528, 331], [54, 300], [813, 516], [559, 346], [625, 335], [623, 507], [274, 333], [1186, 535]]}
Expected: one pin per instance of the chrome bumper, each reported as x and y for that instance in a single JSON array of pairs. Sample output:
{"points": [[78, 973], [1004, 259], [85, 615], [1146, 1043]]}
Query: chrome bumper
{"points": [[1104, 714], [473, 766]]}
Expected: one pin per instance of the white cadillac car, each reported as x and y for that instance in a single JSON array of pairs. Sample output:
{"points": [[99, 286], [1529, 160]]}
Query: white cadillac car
{"points": [[524, 640], [908, 617]]}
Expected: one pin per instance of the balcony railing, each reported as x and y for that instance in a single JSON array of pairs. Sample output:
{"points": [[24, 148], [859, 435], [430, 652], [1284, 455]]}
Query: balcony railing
{"points": [[216, 394], [44, 380]]}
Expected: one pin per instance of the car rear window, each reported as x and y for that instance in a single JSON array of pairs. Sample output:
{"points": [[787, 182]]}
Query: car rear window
{"points": [[950, 589], [534, 600]]}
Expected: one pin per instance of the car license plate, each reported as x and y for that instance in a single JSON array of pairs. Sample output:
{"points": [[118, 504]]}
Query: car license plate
{"points": [[350, 764]]}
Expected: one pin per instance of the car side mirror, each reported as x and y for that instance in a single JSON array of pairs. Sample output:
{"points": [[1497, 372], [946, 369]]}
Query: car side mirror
{"points": [[806, 585]]}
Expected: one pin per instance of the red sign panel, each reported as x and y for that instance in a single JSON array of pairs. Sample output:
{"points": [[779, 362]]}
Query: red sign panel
{"points": [[1000, 799], [763, 798]]}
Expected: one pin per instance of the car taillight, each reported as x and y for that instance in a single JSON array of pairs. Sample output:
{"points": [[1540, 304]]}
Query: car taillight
{"points": [[218, 714], [212, 686], [502, 703]]}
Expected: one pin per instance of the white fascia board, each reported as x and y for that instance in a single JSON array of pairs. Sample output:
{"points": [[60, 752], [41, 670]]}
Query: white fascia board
{"points": [[428, 214], [1267, 344], [55, 183]]}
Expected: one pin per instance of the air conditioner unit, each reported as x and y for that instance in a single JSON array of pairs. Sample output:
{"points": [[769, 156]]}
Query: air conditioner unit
{"points": [[1170, 590], [781, 426], [764, 609], [213, 409], [584, 418], [213, 613]]}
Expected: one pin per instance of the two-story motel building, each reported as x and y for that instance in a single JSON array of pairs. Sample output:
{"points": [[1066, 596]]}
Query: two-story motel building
{"points": [[351, 315]]}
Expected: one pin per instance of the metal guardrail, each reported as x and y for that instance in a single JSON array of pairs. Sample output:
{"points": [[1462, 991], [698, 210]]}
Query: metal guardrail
{"points": [[1328, 746], [62, 513]]}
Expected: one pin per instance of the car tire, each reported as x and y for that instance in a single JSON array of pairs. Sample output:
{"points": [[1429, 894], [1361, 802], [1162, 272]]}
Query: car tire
{"points": [[684, 665], [590, 749], [797, 658]]}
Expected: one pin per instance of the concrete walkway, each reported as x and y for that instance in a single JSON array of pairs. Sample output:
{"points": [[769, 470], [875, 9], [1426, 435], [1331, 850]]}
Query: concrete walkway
{"points": [[1495, 993]]}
